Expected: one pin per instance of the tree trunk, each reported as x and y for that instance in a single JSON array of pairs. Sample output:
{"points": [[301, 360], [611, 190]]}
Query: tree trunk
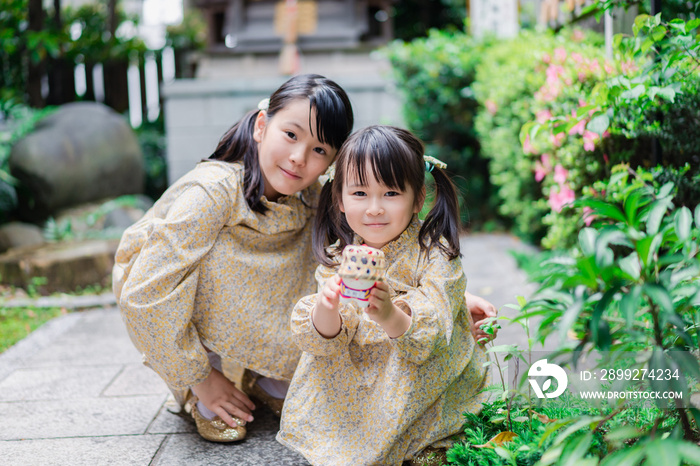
{"points": [[116, 84], [34, 72]]}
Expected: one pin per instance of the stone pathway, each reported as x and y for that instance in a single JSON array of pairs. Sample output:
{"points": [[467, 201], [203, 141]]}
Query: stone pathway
{"points": [[75, 393]]}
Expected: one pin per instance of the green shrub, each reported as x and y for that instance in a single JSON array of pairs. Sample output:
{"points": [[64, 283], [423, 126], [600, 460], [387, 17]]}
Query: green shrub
{"points": [[514, 79], [435, 75], [620, 116]]}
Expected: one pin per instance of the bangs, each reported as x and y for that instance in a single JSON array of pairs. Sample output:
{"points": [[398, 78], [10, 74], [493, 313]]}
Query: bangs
{"points": [[389, 160], [332, 125]]}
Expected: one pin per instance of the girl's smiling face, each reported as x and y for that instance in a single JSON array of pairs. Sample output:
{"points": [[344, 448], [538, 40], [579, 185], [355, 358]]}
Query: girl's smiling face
{"points": [[377, 213], [291, 156]]}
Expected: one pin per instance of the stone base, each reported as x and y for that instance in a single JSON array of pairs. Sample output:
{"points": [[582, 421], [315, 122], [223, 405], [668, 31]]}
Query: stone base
{"points": [[65, 265]]}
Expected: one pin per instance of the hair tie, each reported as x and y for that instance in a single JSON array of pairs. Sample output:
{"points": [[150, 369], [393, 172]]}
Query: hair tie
{"points": [[264, 104], [432, 162]]}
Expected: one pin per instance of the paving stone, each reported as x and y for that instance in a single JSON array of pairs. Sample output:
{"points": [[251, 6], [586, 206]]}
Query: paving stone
{"points": [[92, 351], [34, 384], [103, 451], [78, 417], [192, 450], [136, 379]]}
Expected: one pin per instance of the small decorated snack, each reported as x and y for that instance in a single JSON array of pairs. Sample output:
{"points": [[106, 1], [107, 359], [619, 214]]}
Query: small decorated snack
{"points": [[361, 267]]}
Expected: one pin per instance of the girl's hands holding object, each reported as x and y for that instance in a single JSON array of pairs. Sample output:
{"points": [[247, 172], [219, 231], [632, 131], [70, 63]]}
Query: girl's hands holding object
{"points": [[222, 397], [380, 309], [480, 310]]}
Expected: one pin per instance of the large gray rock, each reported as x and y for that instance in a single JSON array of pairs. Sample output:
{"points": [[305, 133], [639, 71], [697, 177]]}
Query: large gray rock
{"points": [[17, 235], [83, 152]]}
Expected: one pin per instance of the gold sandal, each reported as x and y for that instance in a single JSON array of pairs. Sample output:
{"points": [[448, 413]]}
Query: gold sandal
{"points": [[214, 430], [253, 390]]}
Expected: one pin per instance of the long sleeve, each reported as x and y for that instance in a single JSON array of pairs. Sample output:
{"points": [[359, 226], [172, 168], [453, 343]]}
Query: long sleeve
{"points": [[157, 299], [305, 334], [433, 306]]}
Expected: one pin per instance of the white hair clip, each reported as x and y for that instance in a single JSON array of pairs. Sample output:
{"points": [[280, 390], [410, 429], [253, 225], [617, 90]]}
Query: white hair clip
{"points": [[431, 162], [264, 104], [330, 172]]}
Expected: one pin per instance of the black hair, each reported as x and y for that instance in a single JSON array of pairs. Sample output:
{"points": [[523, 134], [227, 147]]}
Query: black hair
{"points": [[395, 157], [334, 122]]}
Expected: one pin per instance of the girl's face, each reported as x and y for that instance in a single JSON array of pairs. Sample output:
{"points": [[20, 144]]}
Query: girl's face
{"points": [[291, 156], [377, 213]]}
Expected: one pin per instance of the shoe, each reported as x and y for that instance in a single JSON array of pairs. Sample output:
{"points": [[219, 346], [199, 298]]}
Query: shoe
{"points": [[214, 430], [253, 390], [430, 456]]}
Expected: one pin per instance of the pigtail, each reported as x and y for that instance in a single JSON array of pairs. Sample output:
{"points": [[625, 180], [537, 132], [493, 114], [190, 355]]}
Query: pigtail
{"points": [[329, 227], [443, 218], [324, 232], [238, 145]]}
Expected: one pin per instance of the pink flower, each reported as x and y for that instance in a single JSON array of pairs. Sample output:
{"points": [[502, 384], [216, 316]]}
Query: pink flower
{"points": [[608, 68], [543, 168], [553, 72], [543, 116], [605, 157], [578, 128], [589, 139], [561, 197], [588, 216], [628, 67], [557, 139], [578, 35], [560, 54], [560, 174], [528, 148], [547, 58], [581, 76], [577, 57], [593, 65], [491, 107]]}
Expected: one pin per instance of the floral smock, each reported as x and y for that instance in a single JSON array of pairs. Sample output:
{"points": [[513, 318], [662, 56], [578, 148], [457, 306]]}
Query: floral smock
{"points": [[202, 268], [362, 398]]}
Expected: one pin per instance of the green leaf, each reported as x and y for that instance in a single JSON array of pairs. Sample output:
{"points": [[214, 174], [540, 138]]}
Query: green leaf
{"points": [[629, 304], [647, 247], [665, 190], [604, 209], [659, 295], [587, 239], [667, 93], [692, 24], [568, 319], [634, 93], [661, 453], [623, 433], [685, 361], [689, 452], [683, 220], [656, 215], [658, 33], [575, 449], [631, 266], [697, 216], [599, 124]]}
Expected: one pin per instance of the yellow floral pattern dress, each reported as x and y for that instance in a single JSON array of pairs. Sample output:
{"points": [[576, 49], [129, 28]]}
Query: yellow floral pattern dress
{"points": [[201, 268], [362, 398]]}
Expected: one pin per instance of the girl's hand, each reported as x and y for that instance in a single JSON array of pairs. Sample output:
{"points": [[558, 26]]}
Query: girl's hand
{"points": [[325, 315], [221, 396], [480, 310], [380, 309], [329, 298]]}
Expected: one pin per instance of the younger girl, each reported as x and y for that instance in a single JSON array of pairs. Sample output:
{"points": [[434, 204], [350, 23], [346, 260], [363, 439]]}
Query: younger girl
{"points": [[379, 391]]}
